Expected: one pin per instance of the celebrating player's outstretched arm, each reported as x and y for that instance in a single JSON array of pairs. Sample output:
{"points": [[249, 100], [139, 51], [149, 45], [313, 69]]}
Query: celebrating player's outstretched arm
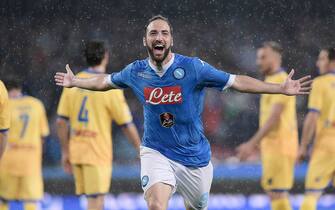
{"points": [[242, 83], [68, 79], [289, 87]]}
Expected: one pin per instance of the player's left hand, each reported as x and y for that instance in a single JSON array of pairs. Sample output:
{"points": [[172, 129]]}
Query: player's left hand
{"points": [[245, 150], [300, 86]]}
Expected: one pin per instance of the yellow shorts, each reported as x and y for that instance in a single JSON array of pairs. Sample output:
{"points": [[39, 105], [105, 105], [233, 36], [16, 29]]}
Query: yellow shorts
{"points": [[27, 188], [278, 172], [91, 179], [321, 171]]}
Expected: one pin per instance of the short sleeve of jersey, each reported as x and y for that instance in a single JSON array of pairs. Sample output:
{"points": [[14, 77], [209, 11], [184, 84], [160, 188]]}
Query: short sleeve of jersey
{"points": [[119, 108], [44, 121], [315, 98], [208, 76], [4, 109], [121, 79], [63, 105]]}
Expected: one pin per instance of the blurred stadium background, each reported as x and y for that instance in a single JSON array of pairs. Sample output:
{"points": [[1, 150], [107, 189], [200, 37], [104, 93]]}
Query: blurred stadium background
{"points": [[39, 37]]}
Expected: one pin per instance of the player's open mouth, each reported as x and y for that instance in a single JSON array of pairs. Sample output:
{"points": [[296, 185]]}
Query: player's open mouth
{"points": [[158, 48]]}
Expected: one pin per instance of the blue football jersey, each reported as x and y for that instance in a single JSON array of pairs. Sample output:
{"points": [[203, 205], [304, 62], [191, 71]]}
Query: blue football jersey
{"points": [[173, 104]]}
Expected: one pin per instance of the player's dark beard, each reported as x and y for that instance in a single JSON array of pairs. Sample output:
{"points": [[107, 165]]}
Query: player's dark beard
{"points": [[158, 60]]}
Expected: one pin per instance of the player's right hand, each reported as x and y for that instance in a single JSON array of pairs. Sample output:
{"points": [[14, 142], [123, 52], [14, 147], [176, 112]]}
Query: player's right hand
{"points": [[65, 79], [302, 154], [66, 163]]}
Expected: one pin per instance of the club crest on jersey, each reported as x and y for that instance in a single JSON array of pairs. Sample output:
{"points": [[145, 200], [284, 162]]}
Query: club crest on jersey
{"points": [[167, 119], [163, 95], [179, 73]]}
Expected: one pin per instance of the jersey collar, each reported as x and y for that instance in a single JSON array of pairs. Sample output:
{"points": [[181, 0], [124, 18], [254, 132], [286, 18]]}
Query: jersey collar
{"points": [[280, 70], [165, 67]]}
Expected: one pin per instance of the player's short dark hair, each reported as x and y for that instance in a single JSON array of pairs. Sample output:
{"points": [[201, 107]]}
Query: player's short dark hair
{"points": [[13, 83], [275, 46], [157, 17], [331, 53], [94, 52]]}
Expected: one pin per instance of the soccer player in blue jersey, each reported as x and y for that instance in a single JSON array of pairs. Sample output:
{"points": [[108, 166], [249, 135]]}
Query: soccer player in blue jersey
{"points": [[175, 154]]}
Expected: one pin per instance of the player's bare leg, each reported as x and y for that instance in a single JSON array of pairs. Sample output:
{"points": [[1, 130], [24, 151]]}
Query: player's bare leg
{"points": [[95, 202], [279, 200], [158, 196], [310, 200]]}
